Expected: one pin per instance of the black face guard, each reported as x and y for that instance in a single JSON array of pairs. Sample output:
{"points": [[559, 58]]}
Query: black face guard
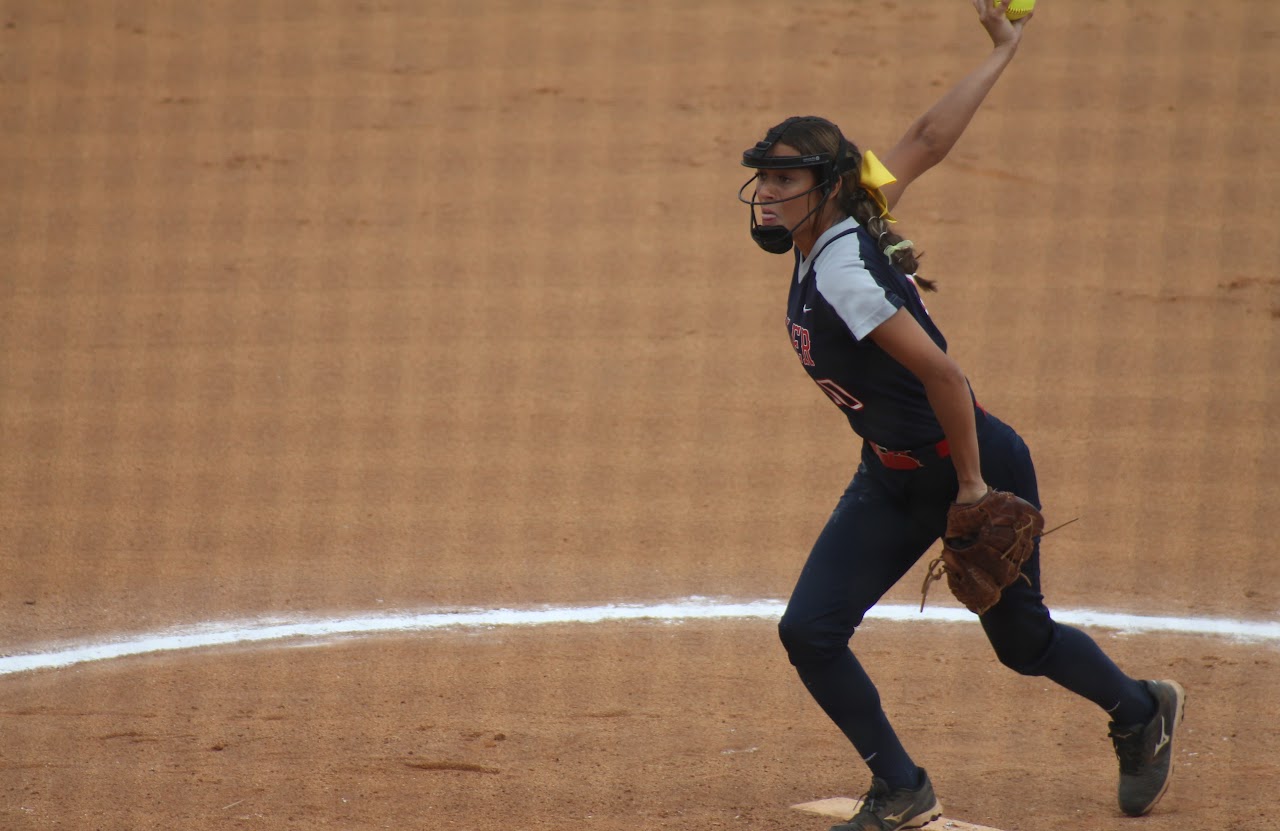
{"points": [[777, 239]]}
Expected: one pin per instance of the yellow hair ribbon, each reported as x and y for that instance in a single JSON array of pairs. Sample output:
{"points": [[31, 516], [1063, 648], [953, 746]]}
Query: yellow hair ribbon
{"points": [[872, 176]]}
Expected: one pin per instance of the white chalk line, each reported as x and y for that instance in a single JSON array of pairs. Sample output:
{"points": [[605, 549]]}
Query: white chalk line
{"points": [[228, 633]]}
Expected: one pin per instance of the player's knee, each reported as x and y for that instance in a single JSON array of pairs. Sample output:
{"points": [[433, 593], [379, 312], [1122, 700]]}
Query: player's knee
{"points": [[809, 642], [1026, 655], [1021, 661], [1022, 634]]}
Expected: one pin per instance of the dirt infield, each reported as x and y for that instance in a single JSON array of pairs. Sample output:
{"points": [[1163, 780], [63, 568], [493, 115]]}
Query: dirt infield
{"points": [[327, 308]]}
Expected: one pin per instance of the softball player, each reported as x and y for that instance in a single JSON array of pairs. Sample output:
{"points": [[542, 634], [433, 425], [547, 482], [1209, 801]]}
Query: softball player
{"points": [[859, 329]]}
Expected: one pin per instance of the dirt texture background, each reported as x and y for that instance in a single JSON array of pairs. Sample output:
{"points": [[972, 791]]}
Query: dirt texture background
{"points": [[324, 308]]}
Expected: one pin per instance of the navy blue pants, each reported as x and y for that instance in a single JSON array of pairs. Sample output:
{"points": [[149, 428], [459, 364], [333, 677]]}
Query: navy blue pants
{"points": [[883, 524]]}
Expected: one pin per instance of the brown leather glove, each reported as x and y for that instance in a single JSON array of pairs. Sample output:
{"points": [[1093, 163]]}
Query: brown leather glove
{"points": [[984, 547]]}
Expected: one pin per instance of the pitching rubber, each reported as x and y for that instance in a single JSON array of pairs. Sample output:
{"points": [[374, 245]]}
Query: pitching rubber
{"points": [[842, 807]]}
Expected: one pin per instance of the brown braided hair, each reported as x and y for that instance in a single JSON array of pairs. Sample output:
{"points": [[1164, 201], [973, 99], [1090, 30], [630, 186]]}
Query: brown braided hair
{"points": [[813, 135]]}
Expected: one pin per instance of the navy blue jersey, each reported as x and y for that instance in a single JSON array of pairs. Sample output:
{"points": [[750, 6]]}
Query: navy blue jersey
{"points": [[844, 290]]}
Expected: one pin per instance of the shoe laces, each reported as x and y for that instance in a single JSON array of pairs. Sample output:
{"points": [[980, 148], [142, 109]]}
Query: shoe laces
{"points": [[874, 800], [1128, 745]]}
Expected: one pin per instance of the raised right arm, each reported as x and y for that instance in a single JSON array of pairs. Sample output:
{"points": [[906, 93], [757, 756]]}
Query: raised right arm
{"points": [[931, 137]]}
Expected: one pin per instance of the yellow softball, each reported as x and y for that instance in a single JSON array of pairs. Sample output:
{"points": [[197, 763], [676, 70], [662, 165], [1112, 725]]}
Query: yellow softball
{"points": [[1019, 8]]}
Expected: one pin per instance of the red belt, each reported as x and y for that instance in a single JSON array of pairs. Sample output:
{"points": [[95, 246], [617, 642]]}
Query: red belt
{"points": [[910, 459], [915, 459]]}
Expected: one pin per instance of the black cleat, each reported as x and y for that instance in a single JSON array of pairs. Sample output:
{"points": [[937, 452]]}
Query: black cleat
{"points": [[886, 810], [1145, 751]]}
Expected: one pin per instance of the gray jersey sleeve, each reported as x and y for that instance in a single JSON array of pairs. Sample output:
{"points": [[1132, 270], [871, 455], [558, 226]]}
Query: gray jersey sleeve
{"points": [[845, 283]]}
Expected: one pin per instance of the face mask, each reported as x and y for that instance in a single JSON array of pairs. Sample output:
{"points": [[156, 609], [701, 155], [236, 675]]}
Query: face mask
{"points": [[773, 238], [777, 239]]}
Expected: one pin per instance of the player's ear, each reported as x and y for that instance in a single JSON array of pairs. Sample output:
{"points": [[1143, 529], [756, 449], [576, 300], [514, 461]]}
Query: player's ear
{"points": [[836, 189], [833, 184]]}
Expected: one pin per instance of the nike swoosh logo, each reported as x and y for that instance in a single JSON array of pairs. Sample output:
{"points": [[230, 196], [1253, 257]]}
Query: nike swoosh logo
{"points": [[807, 309], [1164, 737]]}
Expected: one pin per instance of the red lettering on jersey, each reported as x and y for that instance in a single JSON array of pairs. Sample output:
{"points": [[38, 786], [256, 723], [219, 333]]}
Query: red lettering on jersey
{"points": [[800, 342]]}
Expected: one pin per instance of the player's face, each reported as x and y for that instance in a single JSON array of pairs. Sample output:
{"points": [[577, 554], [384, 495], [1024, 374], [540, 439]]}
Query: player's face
{"points": [[778, 186]]}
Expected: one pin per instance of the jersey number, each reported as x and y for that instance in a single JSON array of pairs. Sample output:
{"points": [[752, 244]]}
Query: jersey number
{"points": [[838, 394]]}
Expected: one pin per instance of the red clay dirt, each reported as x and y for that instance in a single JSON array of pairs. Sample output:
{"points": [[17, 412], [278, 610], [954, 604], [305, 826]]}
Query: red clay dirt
{"points": [[320, 309]]}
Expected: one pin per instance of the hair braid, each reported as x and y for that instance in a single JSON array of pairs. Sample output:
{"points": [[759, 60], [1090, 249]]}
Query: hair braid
{"points": [[863, 208]]}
